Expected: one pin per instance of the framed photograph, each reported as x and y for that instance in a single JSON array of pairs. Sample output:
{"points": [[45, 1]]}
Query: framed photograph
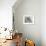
{"points": [[28, 19]]}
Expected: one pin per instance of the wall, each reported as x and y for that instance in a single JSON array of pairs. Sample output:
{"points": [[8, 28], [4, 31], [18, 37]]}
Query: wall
{"points": [[43, 22], [29, 7], [6, 13]]}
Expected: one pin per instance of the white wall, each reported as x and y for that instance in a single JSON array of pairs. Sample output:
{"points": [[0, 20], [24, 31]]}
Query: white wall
{"points": [[6, 13], [29, 7], [43, 22]]}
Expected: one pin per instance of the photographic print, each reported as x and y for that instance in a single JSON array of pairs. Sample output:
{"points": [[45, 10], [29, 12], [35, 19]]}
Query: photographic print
{"points": [[28, 19]]}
